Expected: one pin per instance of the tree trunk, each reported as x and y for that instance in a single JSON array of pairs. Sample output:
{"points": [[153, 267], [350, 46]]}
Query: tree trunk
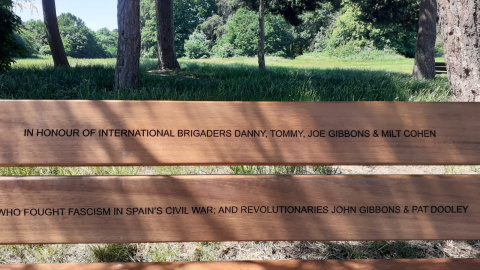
{"points": [[261, 36], [460, 24], [424, 67], [53, 34], [128, 53], [167, 59]]}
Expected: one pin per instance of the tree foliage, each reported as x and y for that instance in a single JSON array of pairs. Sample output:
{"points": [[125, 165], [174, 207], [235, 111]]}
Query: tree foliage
{"points": [[291, 10], [36, 29], [108, 40], [292, 27], [187, 15], [352, 33], [241, 34], [403, 12], [388, 23], [79, 40], [313, 23], [9, 23], [197, 46], [213, 29]]}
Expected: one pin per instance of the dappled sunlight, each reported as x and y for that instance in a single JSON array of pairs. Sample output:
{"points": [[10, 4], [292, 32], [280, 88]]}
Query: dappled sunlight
{"points": [[215, 81], [237, 133]]}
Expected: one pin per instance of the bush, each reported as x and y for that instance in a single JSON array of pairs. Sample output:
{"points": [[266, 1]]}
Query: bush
{"points": [[241, 33], [45, 50], [315, 23], [197, 46], [224, 50], [79, 41], [28, 41], [278, 36], [349, 35], [213, 28]]}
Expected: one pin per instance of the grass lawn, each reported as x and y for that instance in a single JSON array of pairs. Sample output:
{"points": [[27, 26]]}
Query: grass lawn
{"points": [[306, 78], [389, 63]]}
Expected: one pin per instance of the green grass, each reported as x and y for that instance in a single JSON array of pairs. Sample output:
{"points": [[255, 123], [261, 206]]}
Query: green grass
{"points": [[306, 78], [363, 61], [114, 252]]}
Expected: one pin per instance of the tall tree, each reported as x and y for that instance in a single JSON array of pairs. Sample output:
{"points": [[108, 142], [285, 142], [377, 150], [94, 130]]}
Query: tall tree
{"points": [[53, 34], [187, 15], [424, 66], [261, 36], [9, 23], [128, 53], [167, 58], [289, 9], [460, 24]]}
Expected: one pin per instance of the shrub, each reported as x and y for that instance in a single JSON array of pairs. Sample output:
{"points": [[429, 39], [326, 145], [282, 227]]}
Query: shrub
{"points": [[45, 50], [224, 50], [213, 28], [241, 33], [349, 35], [197, 46]]}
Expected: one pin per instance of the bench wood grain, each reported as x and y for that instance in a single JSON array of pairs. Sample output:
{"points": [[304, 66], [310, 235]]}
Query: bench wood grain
{"points": [[93, 209], [410, 264], [348, 133]]}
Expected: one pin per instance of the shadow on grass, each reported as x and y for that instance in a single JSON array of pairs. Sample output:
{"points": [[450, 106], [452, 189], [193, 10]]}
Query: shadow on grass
{"points": [[114, 252], [369, 250], [200, 81]]}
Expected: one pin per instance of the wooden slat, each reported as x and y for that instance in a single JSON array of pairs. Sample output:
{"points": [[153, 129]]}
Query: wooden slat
{"points": [[440, 64], [448, 133], [399, 208], [402, 264]]}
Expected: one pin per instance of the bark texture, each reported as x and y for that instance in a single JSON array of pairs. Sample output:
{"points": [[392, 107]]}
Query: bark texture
{"points": [[53, 34], [424, 67], [128, 53], [460, 23], [167, 59], [261, 36]]}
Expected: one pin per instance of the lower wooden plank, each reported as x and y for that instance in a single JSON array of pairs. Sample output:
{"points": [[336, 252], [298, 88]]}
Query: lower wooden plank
{"points": [[238, 208], [402, 264]]}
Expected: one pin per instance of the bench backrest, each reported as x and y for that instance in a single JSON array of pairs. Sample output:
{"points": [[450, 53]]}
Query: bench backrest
{"points": [[113, 209]]}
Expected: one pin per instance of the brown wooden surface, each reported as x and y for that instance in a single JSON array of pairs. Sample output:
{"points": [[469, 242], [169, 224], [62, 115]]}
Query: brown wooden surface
{"points": [[247, 191], [456, 126], [403, 264]]}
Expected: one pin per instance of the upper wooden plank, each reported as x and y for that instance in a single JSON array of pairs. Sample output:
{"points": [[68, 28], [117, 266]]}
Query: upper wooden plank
{"points": [[216, 133]]}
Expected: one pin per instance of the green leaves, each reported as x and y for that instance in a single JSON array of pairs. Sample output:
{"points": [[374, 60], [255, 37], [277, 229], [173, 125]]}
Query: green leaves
{"points": [[242, 34]]}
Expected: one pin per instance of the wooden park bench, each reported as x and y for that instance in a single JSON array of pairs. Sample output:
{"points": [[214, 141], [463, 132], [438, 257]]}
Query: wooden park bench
{"points": [[131, 209], [440, 68]]}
